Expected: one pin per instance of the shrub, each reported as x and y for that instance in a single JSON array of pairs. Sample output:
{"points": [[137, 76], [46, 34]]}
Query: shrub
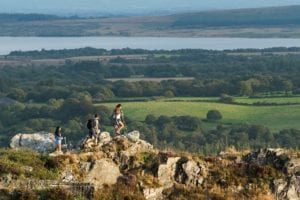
{"points": [[57, 193], [27, 163], [24, 195], [169, 94], [224, 98], [150, 119], [214, 115]]}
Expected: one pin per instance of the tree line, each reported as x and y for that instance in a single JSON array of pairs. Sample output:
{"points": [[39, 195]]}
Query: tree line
{"points": [[48, 96]]}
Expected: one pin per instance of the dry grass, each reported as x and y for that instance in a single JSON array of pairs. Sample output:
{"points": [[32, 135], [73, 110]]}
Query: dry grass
{"points": [[119, 191]]}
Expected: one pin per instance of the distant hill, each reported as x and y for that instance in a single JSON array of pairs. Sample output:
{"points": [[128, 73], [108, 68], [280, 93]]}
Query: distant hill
{"points": [[288, 15], [280, 22], [27, 17]]}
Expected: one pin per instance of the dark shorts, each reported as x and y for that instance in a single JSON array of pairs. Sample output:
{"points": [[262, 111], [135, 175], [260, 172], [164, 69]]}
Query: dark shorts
{"points": [[93, 133]]}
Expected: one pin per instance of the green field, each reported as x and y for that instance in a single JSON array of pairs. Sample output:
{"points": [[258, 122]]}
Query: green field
{"points": [[278, 100], [274, 117], [246, 100]]}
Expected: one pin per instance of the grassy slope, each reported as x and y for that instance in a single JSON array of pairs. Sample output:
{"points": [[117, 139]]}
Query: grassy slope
{"points": [[274, 117]]}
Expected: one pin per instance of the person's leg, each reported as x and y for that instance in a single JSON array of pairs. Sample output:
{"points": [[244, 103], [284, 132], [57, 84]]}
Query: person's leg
{"points": [[120, 127], [117, 129], [56, 144], [95, 138], [90, 134]]}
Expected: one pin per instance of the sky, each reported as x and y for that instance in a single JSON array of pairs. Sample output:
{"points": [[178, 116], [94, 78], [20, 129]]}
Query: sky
{"points": [[130, 7]]}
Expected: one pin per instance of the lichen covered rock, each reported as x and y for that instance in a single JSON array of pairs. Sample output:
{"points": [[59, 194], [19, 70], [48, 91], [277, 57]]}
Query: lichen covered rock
{"points": [[102, 172], [166, 172], [104, 138], [154, 193], [133, 136], [288, 188], [126, 163], [41, 142]]}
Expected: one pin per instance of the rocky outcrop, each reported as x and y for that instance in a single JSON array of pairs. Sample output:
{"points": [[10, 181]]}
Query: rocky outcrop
{"points": [[176, 171], [134, 148], [123, 151], [130, 161], [102, 172], [166, 172], [133, 136], [275, 157], [293, 166], [192, 173], [41, 142], [183, 171], [154, 193], [89, 144], [104, 138], [287, 188]]}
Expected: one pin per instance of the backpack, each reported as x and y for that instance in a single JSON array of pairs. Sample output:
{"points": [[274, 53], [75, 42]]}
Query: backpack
{"points": [[113, 119], [91, 124]]}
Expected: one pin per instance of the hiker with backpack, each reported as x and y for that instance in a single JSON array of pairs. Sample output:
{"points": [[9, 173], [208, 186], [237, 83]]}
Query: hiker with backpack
{"points": [[118, 119], [58, 139], [94, 128]]}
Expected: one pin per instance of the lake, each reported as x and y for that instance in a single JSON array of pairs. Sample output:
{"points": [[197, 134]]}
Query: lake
{"points": [[8, 44]]}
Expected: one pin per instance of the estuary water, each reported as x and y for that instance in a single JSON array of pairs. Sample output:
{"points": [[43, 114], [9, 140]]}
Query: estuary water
{"points": [[8, 44]]}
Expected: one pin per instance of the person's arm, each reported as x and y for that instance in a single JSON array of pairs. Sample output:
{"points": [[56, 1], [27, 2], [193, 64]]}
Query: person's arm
{"points": [[122, 117]]}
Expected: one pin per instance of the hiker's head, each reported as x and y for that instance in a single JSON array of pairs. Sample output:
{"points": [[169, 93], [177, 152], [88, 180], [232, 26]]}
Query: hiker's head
{"points": [[118, 107], [58, 129], [97, 116]]}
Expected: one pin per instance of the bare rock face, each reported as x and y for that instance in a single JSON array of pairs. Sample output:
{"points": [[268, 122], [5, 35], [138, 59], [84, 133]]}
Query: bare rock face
{"points": [[275, 157], [139, 147], [166, 172], [153, 193], [67, 176], [102, 172], [104, 138], [193, 173], [293, 166], [121, 150], [133, 136], [90, 143], [176, 170], [183, 171], [288, 189], [41, 142]]}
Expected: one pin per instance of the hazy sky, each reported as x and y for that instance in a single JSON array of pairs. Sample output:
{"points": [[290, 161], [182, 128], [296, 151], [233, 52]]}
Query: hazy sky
{"points": [[130, 6]]}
